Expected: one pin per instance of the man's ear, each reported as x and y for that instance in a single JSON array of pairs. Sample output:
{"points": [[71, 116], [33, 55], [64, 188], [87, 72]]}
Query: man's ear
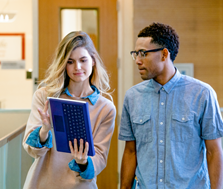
{"points": [[165, 54]]}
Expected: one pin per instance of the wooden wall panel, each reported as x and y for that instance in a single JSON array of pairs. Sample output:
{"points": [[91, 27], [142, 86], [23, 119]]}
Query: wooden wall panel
{"points": [[199, 24]]}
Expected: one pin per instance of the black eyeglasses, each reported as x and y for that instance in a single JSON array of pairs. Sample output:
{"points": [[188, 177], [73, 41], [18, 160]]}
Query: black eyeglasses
{"points": [[142, 53]]}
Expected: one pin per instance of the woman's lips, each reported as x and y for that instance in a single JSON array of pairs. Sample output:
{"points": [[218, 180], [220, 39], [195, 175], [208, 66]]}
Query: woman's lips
{"points": [[78, 73]]}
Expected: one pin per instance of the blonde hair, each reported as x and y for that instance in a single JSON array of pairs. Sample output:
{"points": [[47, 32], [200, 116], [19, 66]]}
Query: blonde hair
{"points": [[56, 77]]}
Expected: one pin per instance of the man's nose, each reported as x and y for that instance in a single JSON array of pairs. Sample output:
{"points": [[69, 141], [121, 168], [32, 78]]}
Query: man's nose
{"points": [[138, 60]]}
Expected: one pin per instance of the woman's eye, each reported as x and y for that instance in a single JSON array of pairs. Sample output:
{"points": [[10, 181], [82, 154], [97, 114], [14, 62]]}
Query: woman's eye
{"points": [[84, 60], [69, 62]]}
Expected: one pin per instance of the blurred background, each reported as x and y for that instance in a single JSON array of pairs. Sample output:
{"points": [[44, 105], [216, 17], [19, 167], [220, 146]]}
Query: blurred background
{"points": [[31, 29]]}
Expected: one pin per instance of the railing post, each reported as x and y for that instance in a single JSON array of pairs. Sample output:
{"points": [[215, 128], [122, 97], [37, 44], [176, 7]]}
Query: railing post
{"points": [[3, 165]]}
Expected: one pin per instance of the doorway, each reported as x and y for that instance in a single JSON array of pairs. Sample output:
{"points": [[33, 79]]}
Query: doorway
{"points": [[49, 37]]}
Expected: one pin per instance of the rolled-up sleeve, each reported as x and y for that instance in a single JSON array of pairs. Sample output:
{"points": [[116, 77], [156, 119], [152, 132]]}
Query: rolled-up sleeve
{"points": [[34, 139], [212, 125], [125, 132], [89, 171]]}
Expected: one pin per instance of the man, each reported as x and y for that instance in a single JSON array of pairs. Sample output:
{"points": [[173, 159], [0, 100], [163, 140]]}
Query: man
{"points": [[171, 122]]}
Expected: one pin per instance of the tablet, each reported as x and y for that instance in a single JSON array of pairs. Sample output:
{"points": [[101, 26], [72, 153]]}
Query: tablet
{"points": [[70, 119]]}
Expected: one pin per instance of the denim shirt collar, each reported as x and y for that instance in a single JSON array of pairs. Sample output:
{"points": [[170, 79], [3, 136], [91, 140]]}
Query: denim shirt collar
{"points": [[92, 97], [169, 85]]}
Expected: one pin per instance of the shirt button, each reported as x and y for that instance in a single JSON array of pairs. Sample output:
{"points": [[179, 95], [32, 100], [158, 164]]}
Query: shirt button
{"points": [[161, 141], [183, 118], [161, 180], [161, 123], [162, 103], [163, 89], [161, 161], [140, 120]]}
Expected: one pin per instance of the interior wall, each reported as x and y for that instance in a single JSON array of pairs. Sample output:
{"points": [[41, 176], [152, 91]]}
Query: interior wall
{"points": [[15, 90], [125, 62], [12, 120], [199, 25]]}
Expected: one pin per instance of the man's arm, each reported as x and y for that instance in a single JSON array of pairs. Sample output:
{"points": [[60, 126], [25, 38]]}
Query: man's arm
{"points": [[128, 165], [215, 162]]}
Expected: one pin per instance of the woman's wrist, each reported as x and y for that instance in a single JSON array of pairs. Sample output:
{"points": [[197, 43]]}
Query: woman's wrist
{"points": [[83, 167], [43, 135], [82, 162], [43, 130]]}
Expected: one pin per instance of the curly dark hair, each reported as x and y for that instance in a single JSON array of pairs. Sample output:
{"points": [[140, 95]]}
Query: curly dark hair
{"points": [[163, 35]]}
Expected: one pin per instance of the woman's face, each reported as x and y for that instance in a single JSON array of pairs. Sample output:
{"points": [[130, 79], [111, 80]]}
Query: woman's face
{"points": [[79, 65]]}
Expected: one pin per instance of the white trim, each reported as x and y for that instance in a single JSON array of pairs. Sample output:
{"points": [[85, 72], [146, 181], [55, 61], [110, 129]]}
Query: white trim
{"points": [[35, 73], [125, 70]]}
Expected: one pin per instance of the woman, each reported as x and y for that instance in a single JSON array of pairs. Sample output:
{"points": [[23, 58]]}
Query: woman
{"points": [[77, 72]]}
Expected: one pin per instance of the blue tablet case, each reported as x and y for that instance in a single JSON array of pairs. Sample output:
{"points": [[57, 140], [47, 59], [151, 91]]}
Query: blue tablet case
{"points": [[70, 119]]}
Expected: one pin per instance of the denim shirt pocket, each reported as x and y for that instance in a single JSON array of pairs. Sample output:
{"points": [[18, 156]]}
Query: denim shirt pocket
{"points": [[181, 129], [142, 128]]}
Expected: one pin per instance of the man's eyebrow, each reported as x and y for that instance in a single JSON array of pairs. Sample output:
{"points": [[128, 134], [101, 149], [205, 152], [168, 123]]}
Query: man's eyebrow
{"points": [[141, 50]]}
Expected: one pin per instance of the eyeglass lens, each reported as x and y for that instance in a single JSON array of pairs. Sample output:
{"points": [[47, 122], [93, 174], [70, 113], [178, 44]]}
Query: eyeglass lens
{"points": [[141, 54]]}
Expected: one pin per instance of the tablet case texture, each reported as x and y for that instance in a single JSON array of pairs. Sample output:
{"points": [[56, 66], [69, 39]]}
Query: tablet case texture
{"points": [[70, 119]]}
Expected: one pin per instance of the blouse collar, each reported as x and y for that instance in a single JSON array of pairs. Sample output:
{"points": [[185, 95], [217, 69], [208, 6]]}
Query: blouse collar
{"points": [[92, 97]]}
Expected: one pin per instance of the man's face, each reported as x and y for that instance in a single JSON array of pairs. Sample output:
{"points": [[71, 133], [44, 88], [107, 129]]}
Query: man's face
{"points": [[151, 66]]}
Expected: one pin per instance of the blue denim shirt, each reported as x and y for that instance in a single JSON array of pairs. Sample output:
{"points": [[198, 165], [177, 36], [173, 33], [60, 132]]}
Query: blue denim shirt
{"points": [[169, 124], [34, 140], [92, 98]]}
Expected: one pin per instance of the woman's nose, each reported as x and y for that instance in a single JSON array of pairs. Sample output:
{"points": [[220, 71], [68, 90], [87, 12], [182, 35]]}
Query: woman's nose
{"points": [[77, 65]]}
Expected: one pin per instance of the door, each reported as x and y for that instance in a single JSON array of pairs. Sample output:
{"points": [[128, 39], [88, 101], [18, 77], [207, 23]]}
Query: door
{"points": [[49, 36]]}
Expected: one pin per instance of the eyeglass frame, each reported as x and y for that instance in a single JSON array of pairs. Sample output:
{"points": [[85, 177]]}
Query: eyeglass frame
{"points": [[141, 51]]}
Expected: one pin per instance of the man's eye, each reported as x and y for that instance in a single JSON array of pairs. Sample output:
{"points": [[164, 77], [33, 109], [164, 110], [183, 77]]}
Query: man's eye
{"points": [[142, 53]]}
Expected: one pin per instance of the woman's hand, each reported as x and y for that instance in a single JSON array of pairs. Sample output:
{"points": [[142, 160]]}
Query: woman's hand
{"points": [[46, 125], [79, 156], [45, 117]]}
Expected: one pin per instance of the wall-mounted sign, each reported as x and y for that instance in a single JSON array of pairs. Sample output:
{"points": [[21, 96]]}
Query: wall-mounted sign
{"points": [[19, 64], [12, 50], [185, 68]]}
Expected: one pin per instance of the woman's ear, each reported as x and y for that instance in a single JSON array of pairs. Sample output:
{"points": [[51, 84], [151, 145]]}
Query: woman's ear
{"points": [[93, 61]]}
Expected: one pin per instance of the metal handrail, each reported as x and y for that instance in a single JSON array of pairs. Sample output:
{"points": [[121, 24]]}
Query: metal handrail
{"points": [[4, 140]]}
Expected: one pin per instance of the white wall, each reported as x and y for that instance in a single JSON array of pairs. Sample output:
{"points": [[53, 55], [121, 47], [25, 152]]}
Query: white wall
{"points": [[12, 120], [15, 90], [125, 72]]}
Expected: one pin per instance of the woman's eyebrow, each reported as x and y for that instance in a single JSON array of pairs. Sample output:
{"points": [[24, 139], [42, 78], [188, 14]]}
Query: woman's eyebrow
{"points": [[79, 58], [83, 57]]}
